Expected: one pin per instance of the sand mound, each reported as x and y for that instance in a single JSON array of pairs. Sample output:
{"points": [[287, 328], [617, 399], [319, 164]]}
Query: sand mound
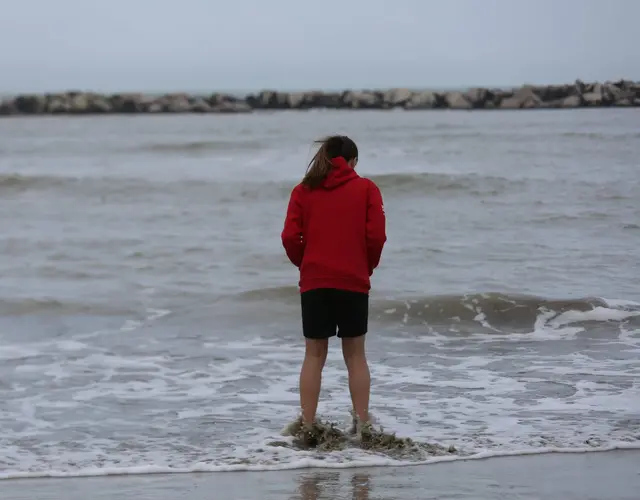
{"points": [[326, 436]]}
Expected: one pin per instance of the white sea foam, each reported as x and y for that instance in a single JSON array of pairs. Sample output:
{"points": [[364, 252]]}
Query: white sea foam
{"points": [[84, 409], [300, 463], [596, 314], [621, 303]]}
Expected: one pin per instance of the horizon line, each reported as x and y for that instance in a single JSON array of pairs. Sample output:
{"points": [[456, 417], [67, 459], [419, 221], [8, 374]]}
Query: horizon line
{"points": [[246, 91]]}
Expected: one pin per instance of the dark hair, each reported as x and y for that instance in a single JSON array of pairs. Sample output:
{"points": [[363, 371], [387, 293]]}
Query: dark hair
{"points": [[330, 147]]}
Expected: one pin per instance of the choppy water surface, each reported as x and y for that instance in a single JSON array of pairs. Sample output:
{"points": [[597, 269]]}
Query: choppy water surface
{"points": [[149, 318]]}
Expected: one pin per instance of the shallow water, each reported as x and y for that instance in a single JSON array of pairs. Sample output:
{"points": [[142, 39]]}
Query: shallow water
{"points": [[149, 318]]}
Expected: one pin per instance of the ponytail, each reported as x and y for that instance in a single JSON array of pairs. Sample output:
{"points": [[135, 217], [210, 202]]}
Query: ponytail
{"points": [[320, 165]]}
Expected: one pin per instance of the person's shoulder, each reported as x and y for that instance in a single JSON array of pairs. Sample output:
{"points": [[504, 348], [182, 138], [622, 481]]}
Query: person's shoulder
{"points": [[369, 183], [299, 191]]}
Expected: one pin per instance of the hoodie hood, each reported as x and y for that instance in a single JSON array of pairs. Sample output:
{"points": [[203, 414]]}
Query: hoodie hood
{"points": [[340, 174]]}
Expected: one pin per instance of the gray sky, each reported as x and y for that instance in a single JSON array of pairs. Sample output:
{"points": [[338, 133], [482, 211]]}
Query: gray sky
{"points": [[198, 45]]}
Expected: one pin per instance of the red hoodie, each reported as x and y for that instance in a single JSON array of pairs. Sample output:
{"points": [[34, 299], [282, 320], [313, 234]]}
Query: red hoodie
{"points": [[335, 233]]}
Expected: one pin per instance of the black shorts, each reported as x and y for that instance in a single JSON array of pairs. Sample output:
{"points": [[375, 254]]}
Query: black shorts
{"points": [[329, 311]]}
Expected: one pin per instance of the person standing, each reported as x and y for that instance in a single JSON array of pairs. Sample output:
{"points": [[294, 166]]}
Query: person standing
{"points": [[334, 232]]}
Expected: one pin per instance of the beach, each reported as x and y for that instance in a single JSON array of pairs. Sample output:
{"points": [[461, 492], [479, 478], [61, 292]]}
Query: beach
{"points": [[592, 476], [150, 320]]}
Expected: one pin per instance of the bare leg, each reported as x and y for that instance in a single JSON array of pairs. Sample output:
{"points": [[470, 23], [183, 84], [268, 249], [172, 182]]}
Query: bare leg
{"points": [[311, 377], [359, 377]]}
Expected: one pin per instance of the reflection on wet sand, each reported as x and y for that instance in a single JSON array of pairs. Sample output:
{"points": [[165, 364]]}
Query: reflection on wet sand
{"points": [[360, 486], [326, 485]]}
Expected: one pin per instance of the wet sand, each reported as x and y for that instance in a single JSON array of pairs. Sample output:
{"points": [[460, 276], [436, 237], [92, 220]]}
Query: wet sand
{"points": [[581, 476]]}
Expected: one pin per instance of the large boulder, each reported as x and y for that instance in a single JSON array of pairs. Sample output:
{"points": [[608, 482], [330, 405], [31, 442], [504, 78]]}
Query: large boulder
{"points": [[77, 102], [579, 88], [269, 99], [200, 105], [58, 104], [613, 94], [524, 98], [155, 107], [232, 107], [99, 104], [30, 104], [480, 98], [549, 93], [573, 101], [423, 100], [595, 98], [256, 101], [457, 100], [280, 100], [217, 98], [364, 99], [317, 99], [130, 103], [394, 98], [296, 100], [82, 103], [8, 107], [500, 95], [177, 103], [168, 103], [624, 84], [607, 94]]}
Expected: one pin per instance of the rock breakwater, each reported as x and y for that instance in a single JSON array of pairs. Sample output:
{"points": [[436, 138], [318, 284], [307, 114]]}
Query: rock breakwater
{"points": [[622, 93]]}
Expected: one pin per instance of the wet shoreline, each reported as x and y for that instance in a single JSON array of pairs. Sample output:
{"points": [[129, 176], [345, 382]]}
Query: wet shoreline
{"points": [[611, 475]]}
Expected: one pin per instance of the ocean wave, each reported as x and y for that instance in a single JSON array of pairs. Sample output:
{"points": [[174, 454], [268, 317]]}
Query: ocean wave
{"points": [[27, 306], [77, 185], [201, 146], [120, 189], [18, 182], [127, 188], [82, 148], [270, 293], [491, 311], [430, 182], [225, 191], [588, 215], [498, 312], [602, 136]]}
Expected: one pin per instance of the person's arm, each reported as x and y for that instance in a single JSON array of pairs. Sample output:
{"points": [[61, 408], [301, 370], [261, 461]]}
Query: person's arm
{"points": [[292, 240], [376, 226]]}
